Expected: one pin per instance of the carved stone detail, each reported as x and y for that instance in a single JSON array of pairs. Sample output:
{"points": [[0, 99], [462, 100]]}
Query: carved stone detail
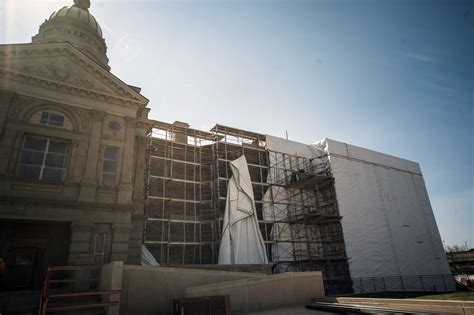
{"points": [[85, 119], [59, 71], [20, 105], [131, 122], [98, 115]]}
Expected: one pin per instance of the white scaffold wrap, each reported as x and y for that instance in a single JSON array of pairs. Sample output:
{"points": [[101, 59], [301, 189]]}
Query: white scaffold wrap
{"points": [[242, 242]]}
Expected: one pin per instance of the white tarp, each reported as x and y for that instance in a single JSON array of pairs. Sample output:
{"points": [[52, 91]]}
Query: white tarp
{"points": [[147, 258], [242, 242], [286, 155], [388, 224]]}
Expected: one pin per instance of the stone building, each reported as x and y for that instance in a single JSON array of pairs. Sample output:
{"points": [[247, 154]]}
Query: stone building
{"points": [[72, 152], [86, 178]]}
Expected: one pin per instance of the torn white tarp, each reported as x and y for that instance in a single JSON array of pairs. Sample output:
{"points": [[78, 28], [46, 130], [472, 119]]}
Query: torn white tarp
{"points": [[147, 258], [241, 242]]}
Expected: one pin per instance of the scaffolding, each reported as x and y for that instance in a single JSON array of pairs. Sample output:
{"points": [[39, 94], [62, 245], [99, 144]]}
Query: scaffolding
{"points": [[307, 226], [295, 201], [180, 217]]}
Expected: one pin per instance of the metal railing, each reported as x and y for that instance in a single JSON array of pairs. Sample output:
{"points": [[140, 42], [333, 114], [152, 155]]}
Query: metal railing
{"points": [[412, 283], [68, 293]]}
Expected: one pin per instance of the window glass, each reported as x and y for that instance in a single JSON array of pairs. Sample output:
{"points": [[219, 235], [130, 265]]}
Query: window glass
{"points": [[56, 120], [109, 166], [35, 143], [58, 147], [43, 159], [51, 117], [99, 248], [110, 153]]}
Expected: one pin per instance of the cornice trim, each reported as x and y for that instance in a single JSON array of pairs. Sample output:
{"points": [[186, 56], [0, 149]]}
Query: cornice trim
{"points": [[19, 50], [67, 88]]}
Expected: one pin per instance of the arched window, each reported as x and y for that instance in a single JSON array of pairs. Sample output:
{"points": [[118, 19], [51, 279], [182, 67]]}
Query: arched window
{"points": [[51, 117]]}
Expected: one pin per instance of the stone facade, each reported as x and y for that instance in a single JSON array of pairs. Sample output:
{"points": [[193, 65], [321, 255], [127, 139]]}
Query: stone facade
{"points": [[55, 93]]}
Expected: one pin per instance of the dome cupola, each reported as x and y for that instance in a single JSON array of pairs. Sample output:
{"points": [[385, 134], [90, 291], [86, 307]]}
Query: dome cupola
{"points": [[75, 24]]}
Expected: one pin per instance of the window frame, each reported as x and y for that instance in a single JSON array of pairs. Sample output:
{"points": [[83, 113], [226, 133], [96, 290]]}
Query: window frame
{"points": [[48, 119], [43, 165], [102, 253], [115, 161]]}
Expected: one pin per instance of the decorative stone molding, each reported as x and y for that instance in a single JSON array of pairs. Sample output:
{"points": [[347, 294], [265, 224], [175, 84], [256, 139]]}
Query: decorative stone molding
{"points": [[85, 119], [121, 228], [98, 115], [37, 105], [20, 105], [131, 122], [80, 226], [63, 50], [59, 71]]}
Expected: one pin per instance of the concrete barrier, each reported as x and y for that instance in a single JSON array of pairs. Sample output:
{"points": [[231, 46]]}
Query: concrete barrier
{"points": [[150, 290], [273, 291], [254, 268], [111, 279]]}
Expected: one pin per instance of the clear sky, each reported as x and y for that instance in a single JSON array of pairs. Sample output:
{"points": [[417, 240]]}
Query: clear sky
{"points": [[392, 76]]}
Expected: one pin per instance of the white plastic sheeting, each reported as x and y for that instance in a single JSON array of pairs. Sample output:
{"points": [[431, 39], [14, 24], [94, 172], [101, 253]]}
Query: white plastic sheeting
{"points": [[388, 224], [147, 258], [242, 242], [287, 156]]}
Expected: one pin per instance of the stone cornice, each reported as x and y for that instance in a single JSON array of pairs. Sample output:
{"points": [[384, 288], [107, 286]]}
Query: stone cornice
{"points": [[129, 96], [67, 88]]}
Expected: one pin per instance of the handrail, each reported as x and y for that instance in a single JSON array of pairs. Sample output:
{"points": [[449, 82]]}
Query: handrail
{"points": [[85, 293], [67, 268], [47, 296], [45, 293], [400, 283]]}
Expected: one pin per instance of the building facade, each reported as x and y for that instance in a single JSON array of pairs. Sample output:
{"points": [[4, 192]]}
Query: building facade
{"points": [[73, 143], [86, 178]]}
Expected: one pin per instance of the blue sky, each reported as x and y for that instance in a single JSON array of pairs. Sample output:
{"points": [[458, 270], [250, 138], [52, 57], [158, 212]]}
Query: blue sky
{"points": [[392, 76]]}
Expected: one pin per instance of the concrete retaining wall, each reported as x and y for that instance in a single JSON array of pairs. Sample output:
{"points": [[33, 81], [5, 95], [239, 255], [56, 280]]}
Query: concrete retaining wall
{"points": [[111, 279], [253, 268], [268, 292], [150, 290]]}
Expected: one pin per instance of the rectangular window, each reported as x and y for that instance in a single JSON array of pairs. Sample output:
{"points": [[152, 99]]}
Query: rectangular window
{"points": [[51, 119], [43, 159], [109, 166], [99, 248]]}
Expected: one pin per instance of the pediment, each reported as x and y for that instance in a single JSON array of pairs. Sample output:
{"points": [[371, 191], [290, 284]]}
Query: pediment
{"points": [[63, 66]]}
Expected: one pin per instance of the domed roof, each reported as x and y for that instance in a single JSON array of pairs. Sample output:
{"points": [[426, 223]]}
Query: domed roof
{"points": [[74, 24], [79, 14]]}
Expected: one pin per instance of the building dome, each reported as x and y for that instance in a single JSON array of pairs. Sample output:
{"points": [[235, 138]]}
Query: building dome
{"points": [[80, 15], [75, 24]]}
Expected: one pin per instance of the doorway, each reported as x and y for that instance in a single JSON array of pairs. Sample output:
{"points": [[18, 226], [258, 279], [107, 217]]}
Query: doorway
{"points": [[27, 249]]}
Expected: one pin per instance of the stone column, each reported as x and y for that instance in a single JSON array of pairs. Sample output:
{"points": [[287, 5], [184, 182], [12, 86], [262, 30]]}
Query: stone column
{"points": [[126, 186], [10, 151], [140, 169], [6, 101], [89, 181]]}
